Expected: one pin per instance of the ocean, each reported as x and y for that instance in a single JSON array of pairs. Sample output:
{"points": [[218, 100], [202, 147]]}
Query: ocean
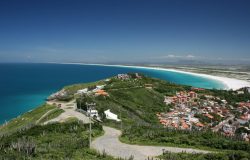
{"points": [[26, 86]]}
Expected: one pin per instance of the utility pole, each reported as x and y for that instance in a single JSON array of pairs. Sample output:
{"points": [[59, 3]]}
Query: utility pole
{"points": [[89, 107], [90, 129]]}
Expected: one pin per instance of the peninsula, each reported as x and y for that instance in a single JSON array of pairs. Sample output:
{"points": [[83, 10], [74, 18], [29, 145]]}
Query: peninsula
{"points": [[146, 117]]}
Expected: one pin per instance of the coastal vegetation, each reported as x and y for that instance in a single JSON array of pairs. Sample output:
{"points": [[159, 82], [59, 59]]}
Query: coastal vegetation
{"points": [[137, 106], [137, 101], [232, 155], [27, 120], [67, 140], [52, 114], [204, 139]]}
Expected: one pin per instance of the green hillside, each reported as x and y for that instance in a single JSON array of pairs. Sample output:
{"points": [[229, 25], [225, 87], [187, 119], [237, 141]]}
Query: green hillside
{"points": [[53, 141], [136, 101]]}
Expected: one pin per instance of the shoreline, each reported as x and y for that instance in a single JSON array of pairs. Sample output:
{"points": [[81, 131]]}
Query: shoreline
{"points": [[229, 83]]}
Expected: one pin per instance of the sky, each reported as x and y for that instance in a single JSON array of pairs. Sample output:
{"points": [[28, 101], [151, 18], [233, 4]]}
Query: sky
{"points": [[125, 31]]}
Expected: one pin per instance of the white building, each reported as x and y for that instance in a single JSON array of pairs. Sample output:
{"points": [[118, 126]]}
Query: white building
{"points": [[93, 113], [248, 89], [123, 76], [98, 88], [110, 115], [240, 92], [82, 91], [168, 100]]}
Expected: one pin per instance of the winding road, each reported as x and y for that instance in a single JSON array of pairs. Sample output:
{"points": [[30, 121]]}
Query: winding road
{"points": [[110, 143]]}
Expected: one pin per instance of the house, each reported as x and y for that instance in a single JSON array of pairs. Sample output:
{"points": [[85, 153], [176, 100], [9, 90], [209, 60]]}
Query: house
{"points": [[248, 89], [92, 113], [82, 91], [99, 87], [240, 92], [246, 104], [107, 80], [209, 116], [123, 76], [137, 76], [101, 93], [224, 101], [192, 94], [184, 125], [168, 100], [245, 137], [199, 124], [227, 129], [194, 120], [110, 115]]}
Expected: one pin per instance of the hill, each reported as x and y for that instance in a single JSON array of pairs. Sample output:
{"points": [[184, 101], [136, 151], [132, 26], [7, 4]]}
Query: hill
{"points": [[143, 105]]}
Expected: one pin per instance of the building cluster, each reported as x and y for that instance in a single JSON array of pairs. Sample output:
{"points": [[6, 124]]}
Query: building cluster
{"points": [[182, 115], [128, 76], [97, 90], [123, 76], [244, 109], [107, 113], [229, 125], [181, 98], [189, 111]]}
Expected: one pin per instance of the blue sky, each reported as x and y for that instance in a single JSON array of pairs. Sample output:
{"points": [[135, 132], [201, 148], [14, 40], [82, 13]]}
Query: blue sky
{"points": [[101, 31]]}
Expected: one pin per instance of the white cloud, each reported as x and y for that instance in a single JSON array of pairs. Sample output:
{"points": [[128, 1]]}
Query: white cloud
{"points": [[173, 56], [190, 56]]}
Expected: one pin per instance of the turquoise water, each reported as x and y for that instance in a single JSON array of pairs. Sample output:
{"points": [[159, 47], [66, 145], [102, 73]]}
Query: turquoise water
{"points": [[26, 86]]}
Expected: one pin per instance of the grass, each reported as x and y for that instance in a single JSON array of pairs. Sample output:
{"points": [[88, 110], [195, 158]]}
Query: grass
{"points": [[138, 108], [26, 120], [53, 141], [53, 114], [206, 140], [230, 155]]}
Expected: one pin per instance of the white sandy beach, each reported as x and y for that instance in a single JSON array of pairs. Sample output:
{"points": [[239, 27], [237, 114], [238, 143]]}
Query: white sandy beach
{"points": [[230, 83]]}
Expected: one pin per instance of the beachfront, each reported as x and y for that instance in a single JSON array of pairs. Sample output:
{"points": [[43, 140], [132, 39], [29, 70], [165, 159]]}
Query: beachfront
{"points": [[230, 83]]}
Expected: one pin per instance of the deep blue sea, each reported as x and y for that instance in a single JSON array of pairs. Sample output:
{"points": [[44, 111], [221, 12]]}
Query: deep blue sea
{"points": [[26, 86]]}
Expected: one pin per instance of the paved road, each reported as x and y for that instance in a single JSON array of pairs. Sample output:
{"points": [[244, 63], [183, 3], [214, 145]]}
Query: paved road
{"points": [[69, 111], [112, 146]]}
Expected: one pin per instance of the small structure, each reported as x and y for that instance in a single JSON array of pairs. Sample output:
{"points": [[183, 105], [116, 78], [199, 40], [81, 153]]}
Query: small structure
{"points": [[168, 100], [209, 116], [101, 93], [199, 124], [107, 80], [92, 113], [248, 89], [99, 87], [123, 76], [82, 91], [240, 92], [148, 86], [192, 94], [137, 76], [110, 115]]}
